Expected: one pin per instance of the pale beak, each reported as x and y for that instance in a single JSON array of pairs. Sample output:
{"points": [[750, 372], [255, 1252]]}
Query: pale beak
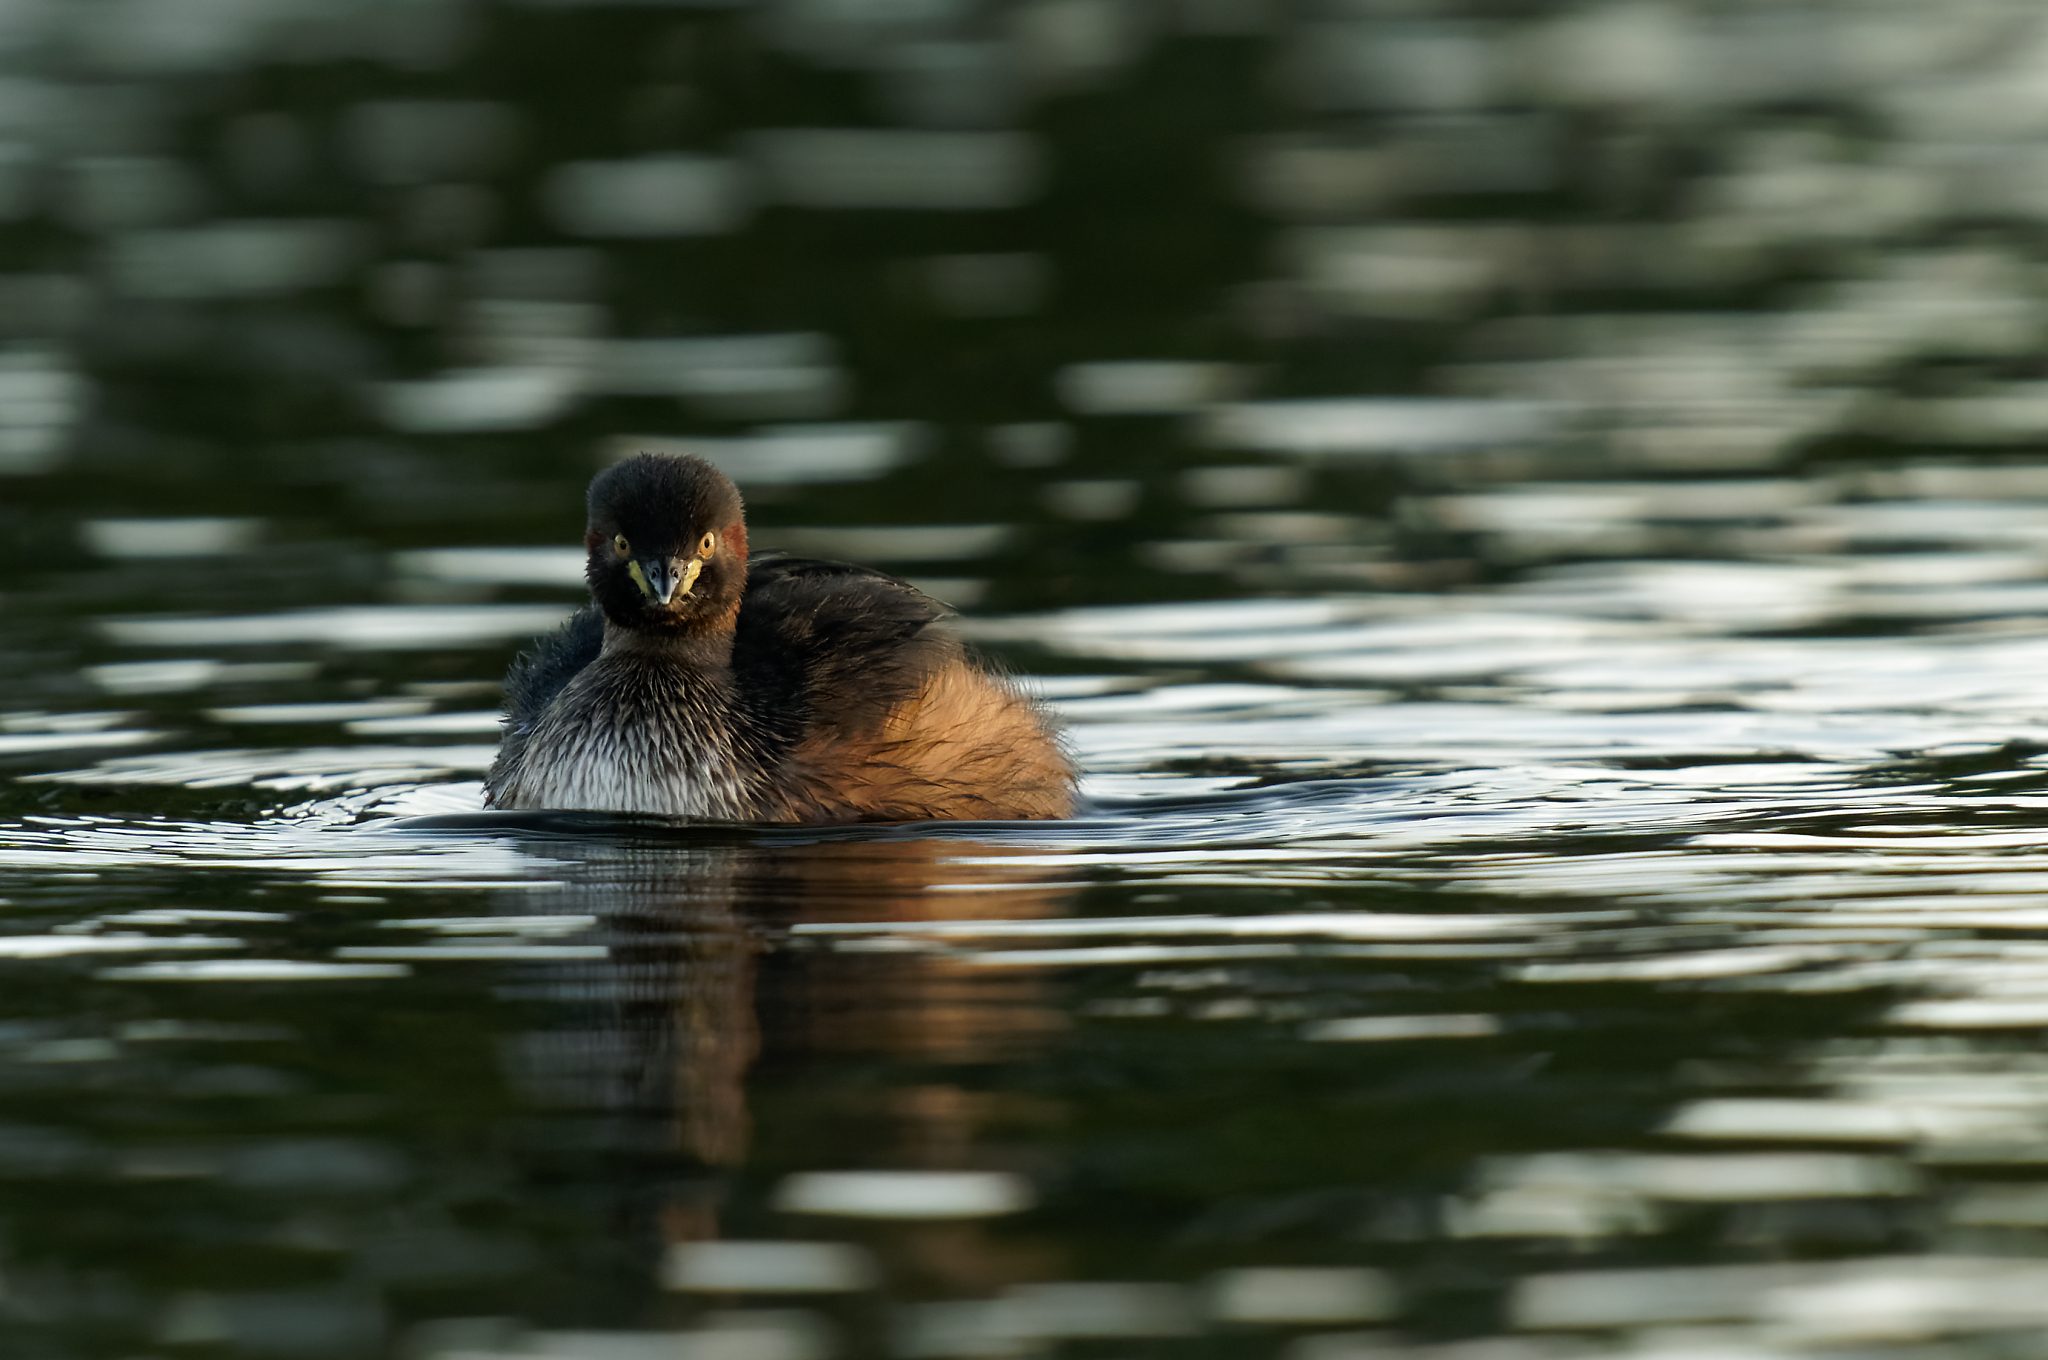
{"points": [[662, 579]]}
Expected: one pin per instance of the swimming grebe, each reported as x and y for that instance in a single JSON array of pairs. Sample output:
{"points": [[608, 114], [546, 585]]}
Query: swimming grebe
{"points": [[699, 684]]}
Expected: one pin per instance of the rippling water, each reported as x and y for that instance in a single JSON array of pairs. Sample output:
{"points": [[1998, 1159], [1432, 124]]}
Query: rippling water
{"points": [[1533, 522]]}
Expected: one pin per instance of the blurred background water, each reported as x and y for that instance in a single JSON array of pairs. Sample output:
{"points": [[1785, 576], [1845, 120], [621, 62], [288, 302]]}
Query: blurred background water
{"points": [[1533, 515]]}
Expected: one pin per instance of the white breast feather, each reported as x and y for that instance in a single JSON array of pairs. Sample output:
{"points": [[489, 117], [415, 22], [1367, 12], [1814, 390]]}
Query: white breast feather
{"points": [[575, 764], [610, 775]]}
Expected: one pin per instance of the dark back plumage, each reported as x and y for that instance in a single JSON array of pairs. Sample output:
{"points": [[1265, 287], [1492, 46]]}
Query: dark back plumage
{"points": [[831, 642]]}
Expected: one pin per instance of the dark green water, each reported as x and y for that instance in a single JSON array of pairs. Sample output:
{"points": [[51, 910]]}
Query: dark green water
{"points": [[1532, 516]]}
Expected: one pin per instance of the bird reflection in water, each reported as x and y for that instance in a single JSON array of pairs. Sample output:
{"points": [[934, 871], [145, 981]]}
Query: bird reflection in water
{"points": [[723, 1053]]}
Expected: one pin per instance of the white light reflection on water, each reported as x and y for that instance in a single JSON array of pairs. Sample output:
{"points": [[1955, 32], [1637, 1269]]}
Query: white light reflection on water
{"points": [[768, 1267], [383, 627], [316, 843], [903, 1194], [308, 769]]}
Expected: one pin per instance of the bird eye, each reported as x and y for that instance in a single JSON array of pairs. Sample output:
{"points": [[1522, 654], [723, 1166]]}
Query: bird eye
{"points": [[707, 545], [621, 546]]}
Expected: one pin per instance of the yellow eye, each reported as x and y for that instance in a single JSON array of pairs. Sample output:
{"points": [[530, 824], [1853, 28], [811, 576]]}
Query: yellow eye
{"points": [[707, 545], [621, 546]]}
